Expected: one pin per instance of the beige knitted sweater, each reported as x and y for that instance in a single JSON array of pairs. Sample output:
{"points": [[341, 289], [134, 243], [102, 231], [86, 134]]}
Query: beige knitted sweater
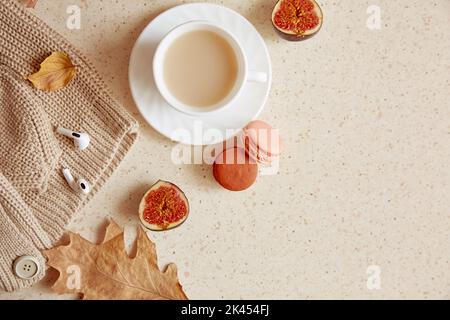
{"points": [[36, 203]]}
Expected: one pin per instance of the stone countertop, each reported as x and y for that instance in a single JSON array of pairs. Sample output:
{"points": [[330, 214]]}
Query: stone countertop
{"points": [[364, 181]]}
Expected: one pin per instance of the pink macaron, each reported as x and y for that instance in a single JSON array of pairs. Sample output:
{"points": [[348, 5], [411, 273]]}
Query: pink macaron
{"points": [[262, 142]]}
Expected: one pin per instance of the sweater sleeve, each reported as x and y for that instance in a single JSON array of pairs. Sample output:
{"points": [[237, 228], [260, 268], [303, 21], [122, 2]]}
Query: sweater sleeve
{"points": [[20, 235]]}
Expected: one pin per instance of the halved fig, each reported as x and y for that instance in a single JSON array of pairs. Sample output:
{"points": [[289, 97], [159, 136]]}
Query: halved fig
{"points": [[297, 20], [163, 207]]}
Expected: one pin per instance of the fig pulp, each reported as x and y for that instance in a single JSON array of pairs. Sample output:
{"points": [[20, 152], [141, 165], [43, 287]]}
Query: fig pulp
{"points": [[297, 19], [163, 207]]}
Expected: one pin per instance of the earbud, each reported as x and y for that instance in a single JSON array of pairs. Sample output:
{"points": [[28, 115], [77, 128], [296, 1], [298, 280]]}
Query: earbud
{"points": [[80, 186], [81, 140]]}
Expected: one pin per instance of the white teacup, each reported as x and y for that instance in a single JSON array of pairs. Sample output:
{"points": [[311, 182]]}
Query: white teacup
{"points": [[244, 75]]}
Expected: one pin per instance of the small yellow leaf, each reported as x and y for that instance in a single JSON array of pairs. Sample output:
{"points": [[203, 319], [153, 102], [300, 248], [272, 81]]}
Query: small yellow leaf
{"points": [[31, 3], [55, 73]]}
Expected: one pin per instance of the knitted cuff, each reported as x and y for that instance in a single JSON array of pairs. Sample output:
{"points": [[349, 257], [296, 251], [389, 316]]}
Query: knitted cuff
{"points": [[21, 235]]}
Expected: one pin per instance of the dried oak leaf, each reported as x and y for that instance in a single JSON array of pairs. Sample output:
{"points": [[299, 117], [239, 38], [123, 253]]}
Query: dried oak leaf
{"points": [[55, 73], [107, 272]]}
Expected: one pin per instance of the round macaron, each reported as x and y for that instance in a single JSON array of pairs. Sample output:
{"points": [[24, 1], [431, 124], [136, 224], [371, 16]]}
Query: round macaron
{"points": [[262, 142], [258, 155], [234, 170]]}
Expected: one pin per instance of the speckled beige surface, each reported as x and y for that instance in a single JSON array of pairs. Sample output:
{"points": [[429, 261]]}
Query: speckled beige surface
{"points": [[364, 180]]}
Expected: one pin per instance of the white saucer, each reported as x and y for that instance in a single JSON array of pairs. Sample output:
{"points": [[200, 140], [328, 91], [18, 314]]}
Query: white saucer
{"points": [[172, 123]]}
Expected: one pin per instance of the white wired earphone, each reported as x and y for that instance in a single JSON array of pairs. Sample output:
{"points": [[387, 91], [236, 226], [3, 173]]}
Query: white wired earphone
{"points": [[81, 142]]}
